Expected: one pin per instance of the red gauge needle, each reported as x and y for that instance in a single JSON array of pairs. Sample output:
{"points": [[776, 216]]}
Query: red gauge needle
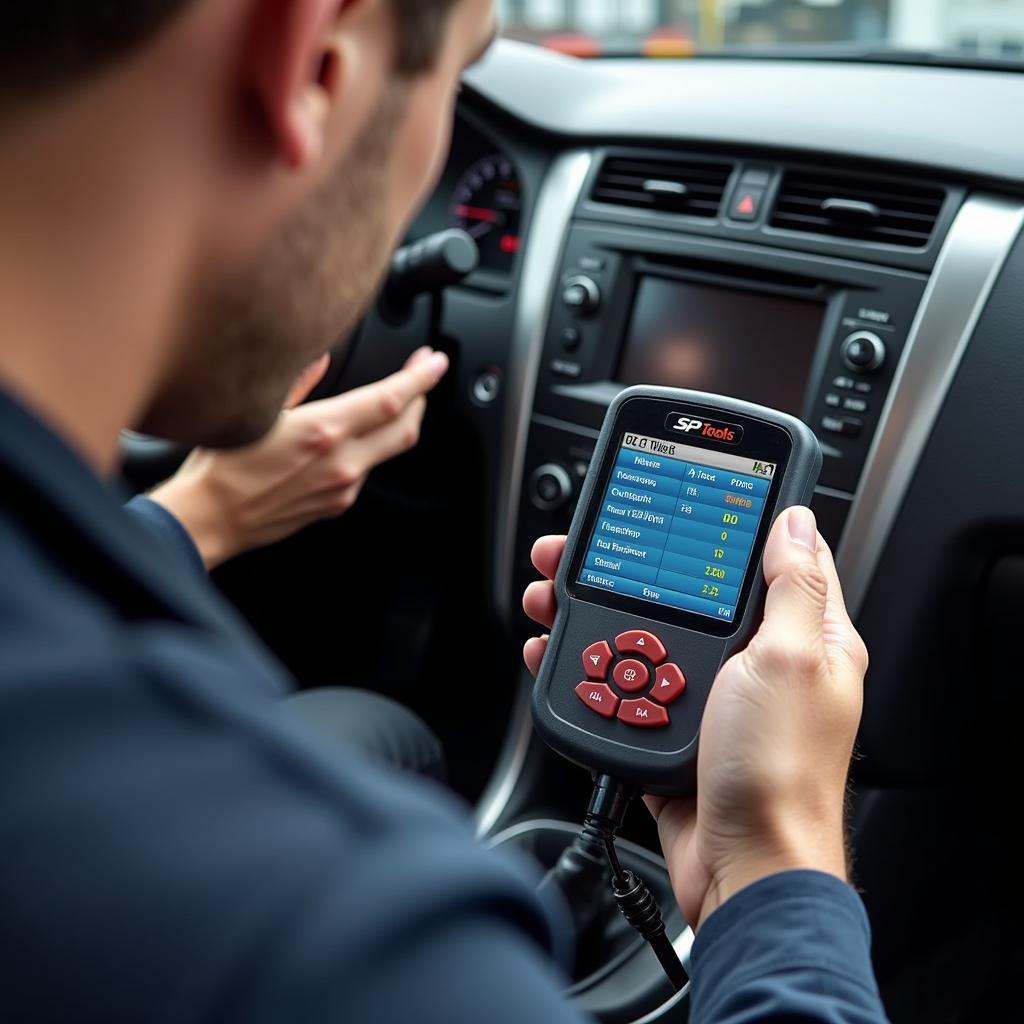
{"points": [[477, 213]]}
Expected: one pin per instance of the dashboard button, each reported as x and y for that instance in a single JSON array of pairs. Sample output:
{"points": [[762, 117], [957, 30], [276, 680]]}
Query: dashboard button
{"points": [[581, 295], [487, 387], [550, 487], [844, 427], [639, 641], [596, 659], [843, 383], [669, 683], [566, 368], [631, 675], [746, 204], [833, 401], [862, 387], [598, 697], [643, 713], [571, 339], [855, 405]]}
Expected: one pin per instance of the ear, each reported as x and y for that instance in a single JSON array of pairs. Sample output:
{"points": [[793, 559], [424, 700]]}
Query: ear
{"points": [[297, 59]]}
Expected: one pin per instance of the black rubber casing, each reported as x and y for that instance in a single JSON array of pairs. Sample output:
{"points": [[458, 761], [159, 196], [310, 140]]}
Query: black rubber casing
{"points": [[660, 760]]}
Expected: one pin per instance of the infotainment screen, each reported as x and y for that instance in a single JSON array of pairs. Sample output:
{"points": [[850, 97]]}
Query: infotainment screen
{"points": [[737, 343], [677, 524]]}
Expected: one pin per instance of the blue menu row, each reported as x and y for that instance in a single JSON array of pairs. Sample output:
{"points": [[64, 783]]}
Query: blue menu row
{"points": [[676, 533]]}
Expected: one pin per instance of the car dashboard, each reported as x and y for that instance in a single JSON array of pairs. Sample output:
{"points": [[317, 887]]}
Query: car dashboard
{"points": [[840, 240]]}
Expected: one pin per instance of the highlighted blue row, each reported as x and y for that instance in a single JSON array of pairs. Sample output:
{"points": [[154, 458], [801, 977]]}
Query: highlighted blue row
{"points": [[658, 594], [660, 513], [701, 586], [646, 534], [693, 473], [735, 552], [666, 501]]}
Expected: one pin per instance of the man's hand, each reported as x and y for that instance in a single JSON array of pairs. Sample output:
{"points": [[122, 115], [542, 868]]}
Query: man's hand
{"points": [[777, 735], [312, 466]]}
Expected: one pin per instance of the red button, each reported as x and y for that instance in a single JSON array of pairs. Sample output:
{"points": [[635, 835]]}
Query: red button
{"points": [[636, 641], [596, 659], [598, 697], [631, 676], [643, 713], [669, 683]]}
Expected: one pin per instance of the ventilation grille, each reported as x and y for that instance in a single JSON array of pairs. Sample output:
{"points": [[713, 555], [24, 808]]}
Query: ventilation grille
{"points": [[860, 208], [663, 185]]}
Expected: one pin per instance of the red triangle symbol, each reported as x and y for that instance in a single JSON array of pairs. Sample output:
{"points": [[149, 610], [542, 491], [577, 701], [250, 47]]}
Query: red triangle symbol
{"points": [[746, 206]]}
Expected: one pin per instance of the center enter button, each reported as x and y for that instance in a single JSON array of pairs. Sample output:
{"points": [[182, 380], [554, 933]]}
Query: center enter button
{"points": [[631, 675]]}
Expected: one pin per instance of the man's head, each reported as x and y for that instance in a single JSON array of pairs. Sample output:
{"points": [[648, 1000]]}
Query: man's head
{"points": [[304, 134]]}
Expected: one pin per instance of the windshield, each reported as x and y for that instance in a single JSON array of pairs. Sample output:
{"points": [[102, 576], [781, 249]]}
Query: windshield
{"points": [[976, 31]]}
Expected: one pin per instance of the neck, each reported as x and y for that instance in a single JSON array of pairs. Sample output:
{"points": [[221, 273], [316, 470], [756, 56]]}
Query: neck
{"points": [[91, 269]]}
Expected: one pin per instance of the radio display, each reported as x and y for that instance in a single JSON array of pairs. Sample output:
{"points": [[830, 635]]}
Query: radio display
{"points": [[677, 525], [738, 343]]}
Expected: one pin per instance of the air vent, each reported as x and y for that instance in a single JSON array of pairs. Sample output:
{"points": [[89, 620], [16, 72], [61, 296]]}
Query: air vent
{"points": [[664, 185], [866, 209]]}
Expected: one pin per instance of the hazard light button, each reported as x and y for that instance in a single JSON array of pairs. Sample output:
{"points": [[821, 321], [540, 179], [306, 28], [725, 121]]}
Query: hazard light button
{"points": [[746, 204]]}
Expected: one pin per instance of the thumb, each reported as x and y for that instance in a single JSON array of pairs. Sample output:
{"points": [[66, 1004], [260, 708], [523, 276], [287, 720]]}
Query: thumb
{"points": [[308, 380], [797, 588]]}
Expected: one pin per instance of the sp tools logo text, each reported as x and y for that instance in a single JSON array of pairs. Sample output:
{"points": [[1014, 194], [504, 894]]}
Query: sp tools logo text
{"points": [[711, 430]]}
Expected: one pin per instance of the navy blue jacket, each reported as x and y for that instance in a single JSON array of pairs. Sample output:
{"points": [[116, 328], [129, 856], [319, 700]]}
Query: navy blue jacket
{"points": [[172, 849]]}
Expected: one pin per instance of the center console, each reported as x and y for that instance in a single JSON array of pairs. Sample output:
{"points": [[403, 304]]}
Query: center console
{"points": [[814, 336]]}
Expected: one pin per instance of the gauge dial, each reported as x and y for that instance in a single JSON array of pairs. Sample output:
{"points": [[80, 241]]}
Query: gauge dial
{"points": [[488, 204]]}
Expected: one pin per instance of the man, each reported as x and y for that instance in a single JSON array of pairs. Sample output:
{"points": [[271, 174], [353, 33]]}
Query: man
{"points": [[197, 197]]}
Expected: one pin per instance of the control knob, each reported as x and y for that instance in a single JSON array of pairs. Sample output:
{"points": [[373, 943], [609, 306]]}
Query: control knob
{"points": [[581, 295], [550, 487], [864, 351]]}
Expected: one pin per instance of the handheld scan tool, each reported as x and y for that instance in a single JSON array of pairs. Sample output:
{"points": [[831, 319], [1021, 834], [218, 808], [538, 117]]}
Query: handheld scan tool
{"points": [[661, 580]]}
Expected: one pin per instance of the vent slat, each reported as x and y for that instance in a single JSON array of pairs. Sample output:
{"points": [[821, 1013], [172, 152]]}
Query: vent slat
{"points": [[621, 182], [907, 213], [801, 205]]}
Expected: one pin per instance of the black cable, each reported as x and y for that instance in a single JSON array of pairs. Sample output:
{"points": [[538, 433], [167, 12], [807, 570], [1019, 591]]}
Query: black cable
{"points": [[607, 811]]}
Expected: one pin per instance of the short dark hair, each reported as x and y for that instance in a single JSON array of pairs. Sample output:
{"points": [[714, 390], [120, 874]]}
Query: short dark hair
{"points": [[47, 44]]}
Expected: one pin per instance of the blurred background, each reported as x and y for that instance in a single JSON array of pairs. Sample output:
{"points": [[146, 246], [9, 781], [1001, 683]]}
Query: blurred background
{"points": [[984, 29]]}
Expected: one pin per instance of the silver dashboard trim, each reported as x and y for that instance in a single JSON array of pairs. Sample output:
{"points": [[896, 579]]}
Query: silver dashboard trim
{"points": [[974, 253], [505, 777], [559, 194]]}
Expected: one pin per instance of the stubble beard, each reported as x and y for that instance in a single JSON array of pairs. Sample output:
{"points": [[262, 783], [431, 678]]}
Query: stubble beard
{"points": [[253, 334]]}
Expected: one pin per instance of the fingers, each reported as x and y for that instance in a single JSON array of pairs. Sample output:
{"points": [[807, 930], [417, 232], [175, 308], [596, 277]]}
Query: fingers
{"points": [[842, 641], [389, 441], [797, 589], [539, 599], [533, 653], [539, 602], [546, 555], [418, 356], [308, 380], [372, 407]]}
